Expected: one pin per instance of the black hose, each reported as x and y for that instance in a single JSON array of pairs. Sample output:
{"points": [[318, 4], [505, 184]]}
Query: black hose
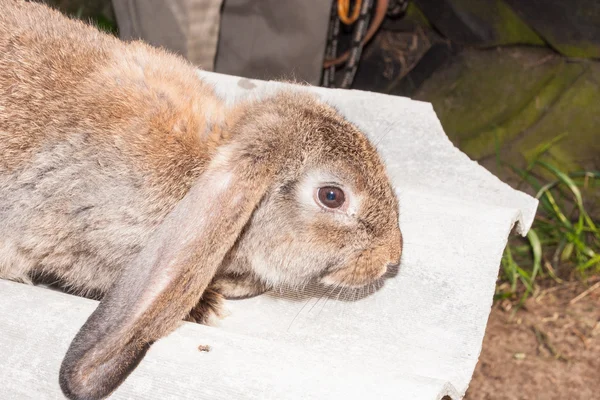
{"points": [[360, 31], [332, 43]]}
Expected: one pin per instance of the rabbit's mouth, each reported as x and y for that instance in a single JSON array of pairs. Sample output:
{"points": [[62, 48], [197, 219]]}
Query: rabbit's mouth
{"points": [[368, 267]]}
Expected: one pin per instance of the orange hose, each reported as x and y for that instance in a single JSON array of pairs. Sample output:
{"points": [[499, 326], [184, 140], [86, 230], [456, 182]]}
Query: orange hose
{"points": [[344, 10]]}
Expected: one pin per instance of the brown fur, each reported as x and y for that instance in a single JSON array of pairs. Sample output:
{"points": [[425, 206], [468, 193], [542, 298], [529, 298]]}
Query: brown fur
{"points": [[123, 174]]}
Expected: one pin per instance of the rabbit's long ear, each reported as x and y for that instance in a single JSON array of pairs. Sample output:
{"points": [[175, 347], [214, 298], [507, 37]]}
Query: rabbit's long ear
{"points": [[167, 278]]}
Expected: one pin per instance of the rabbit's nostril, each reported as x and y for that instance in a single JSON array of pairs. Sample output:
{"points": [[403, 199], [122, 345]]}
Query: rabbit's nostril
{"points": [[394, 261]]}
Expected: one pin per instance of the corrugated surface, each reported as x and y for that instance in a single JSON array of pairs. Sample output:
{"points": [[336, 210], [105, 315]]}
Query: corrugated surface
{"points": [[418, 337]]}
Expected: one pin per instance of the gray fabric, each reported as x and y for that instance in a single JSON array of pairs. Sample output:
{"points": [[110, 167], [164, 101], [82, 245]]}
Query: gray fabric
{"points": [[273, 39], [187, 27]]}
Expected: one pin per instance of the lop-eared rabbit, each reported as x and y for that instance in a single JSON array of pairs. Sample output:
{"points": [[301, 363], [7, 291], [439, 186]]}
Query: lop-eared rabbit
{"points": [[124, 175]]}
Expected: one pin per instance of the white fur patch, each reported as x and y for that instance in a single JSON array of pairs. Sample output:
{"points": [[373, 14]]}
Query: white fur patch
{"points": [[267, 273]]}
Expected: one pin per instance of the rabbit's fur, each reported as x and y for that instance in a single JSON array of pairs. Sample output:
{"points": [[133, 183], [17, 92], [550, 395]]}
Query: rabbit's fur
{"points": [[122, 174]]}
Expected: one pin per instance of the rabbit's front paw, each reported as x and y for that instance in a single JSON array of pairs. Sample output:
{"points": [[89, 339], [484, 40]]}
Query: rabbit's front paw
{"points": [[209, 310], [240, 286]]}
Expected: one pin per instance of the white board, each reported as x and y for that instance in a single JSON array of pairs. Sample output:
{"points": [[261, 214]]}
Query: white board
{"points": [[418, 337]]}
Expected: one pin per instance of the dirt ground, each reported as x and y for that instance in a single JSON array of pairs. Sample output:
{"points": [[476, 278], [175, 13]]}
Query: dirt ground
{"points": [[549, 349]]}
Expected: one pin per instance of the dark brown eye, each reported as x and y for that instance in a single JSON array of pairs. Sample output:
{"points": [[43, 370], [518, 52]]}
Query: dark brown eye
{"points": [[331, 196]]}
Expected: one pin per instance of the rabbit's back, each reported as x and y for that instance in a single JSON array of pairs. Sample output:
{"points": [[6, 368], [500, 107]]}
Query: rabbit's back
{"points": [[99, 139], [42, 65]]}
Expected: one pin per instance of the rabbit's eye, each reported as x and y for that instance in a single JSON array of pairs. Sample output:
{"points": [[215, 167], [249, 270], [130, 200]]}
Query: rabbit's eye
{"points": [[331, 196]]}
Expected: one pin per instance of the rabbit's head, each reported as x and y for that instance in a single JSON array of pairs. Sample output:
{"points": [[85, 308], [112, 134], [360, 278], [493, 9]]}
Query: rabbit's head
{"points": [[330, 212], [294, 193]]}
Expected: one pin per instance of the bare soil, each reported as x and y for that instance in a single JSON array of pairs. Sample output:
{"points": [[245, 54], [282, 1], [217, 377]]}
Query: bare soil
{"points": [[548, 349]]}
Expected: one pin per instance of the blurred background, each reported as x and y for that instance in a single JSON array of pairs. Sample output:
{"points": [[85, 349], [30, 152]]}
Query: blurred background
{"points": [[516, 85]]}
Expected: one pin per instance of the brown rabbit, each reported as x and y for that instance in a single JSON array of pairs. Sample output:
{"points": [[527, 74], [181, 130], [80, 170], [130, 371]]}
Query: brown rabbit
{"points": [[123, 174]]}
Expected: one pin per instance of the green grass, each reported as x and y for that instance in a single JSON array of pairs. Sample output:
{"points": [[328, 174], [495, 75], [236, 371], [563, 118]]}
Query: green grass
{"points": [[564, 241]]}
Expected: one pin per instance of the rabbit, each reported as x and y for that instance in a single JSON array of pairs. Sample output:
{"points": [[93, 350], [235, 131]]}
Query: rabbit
{"points": [[125, 175]]}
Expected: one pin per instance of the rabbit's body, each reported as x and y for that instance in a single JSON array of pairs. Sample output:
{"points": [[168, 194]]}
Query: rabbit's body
{"points": [[123, 175], [85, 177]]}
